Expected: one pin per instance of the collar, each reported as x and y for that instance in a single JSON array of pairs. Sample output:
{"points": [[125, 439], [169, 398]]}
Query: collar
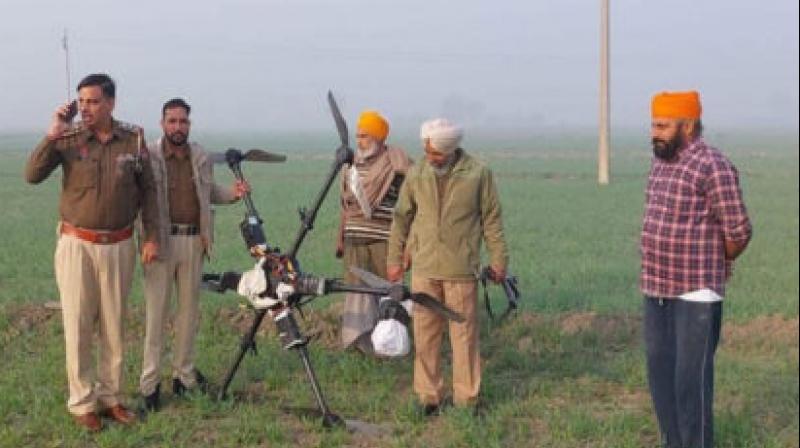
{"points": [[170, 151], [117, 131], [370, 158], [685, 153], [459, 164], [690, 149]]}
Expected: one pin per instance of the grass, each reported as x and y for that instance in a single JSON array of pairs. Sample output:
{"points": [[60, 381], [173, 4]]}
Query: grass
{"points": [[567, 371]]}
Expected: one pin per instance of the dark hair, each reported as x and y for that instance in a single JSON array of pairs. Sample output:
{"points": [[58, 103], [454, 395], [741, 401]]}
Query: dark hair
{"points": [[176, 102], [101, 80], [698, 128]]}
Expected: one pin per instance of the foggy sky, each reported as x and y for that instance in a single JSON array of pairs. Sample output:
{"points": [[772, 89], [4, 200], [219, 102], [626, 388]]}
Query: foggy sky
{"points": [[267, 65]]}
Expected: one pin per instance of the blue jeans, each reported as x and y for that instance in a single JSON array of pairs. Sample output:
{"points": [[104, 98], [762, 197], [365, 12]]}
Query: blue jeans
{"points": [[680, 340]]}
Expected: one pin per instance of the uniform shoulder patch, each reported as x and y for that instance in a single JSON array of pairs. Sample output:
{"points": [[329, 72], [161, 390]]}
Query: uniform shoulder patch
{"points": [[128, 127], [73, 130]]}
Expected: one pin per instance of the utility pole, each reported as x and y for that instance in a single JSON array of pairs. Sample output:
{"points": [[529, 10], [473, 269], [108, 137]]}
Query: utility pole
{"points": [[65, 46], [603, 143]]}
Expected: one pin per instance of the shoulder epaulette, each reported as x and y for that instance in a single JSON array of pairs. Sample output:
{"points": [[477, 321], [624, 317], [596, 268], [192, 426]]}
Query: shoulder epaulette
{"points": [[73, 130], [129, 127]]}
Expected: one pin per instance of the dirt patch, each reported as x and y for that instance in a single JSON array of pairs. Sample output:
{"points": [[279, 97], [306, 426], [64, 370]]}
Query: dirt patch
{"points": [[527, 319], [525, 344], [241, 319], [322, 326], [762, 333], [603, 324], [577, 322], [612, 396], [27, 317]]}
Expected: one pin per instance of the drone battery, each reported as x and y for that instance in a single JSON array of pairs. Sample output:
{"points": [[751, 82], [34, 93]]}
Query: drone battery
{"points": [[252, 232]]}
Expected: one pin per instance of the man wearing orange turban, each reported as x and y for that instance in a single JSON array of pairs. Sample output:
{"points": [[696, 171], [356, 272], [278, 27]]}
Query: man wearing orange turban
{"points": [[695, 225], [676, 118], [369, 191]]}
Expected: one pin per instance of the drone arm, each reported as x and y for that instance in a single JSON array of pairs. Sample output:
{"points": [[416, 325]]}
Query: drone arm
{"points": [[307, 217], [337, 286], [310, 285]]}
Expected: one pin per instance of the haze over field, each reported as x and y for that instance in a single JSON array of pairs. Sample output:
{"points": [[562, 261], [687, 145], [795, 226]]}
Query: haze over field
{"points": [[527, 66]]}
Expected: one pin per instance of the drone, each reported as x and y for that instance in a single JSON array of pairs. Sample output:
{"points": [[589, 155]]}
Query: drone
{"points": [[277, 286]]}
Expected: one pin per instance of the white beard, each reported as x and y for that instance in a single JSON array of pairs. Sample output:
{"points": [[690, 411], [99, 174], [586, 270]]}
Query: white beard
{"points": [[363, 154], [445, 168]]}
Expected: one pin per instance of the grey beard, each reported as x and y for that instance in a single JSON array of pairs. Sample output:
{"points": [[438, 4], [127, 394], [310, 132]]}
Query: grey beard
{"points": [[445, 168], [362, 155]]}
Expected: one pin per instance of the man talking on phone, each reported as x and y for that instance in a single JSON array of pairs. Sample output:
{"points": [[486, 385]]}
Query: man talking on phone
{"points": [[107, 180]]}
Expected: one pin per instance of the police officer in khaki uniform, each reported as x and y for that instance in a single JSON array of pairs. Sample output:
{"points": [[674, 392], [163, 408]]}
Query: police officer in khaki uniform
{"points": [[186, 190], [107, 179]]}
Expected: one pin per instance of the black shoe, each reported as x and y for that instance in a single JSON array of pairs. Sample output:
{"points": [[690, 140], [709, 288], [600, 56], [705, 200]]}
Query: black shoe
{"points": [[152, 402], [479, 409], [431, 410], [178, 388], [202, 382]]}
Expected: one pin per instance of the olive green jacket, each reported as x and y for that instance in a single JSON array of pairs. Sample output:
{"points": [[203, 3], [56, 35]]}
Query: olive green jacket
{"points": [[446, 232]]}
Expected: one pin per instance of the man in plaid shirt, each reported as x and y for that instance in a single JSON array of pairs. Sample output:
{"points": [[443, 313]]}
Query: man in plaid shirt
{"points": [[695, 224]]}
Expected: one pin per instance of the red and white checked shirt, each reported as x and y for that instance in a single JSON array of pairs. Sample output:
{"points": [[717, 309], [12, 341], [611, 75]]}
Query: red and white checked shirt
{"points": [[692, 206]]}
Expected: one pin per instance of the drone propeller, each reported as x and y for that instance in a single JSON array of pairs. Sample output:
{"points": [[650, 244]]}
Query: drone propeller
{"points": [[341, 126], [253, 155], [259, 155], [370, 279], [421, 298], [436, 306]]}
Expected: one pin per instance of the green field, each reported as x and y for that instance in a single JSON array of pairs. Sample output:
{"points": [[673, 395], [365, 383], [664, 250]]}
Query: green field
{"points": [[567, 371]]}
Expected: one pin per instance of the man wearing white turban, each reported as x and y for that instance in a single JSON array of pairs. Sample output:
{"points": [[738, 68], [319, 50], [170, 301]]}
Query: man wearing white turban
{"points": [[451, 201]]}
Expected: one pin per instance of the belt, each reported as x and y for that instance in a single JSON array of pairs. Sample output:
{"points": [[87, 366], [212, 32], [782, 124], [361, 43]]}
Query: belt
{"points": [[184, 229], [97, 236]]}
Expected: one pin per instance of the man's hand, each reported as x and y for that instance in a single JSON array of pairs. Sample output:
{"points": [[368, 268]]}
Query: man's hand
{"points": [[339, 248], [394, 273], [240, 188], [733, 249], [58, 124], [406, 260], [149, 252], [497, 274]]}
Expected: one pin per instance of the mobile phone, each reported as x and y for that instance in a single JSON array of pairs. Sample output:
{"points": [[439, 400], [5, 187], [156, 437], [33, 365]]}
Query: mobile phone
{"points": [[72, 110]]}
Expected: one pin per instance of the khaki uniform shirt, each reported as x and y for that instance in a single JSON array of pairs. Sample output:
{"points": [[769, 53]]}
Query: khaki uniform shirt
{"points": [[207, 192], [447, 222], [104, 184], [184, 207]]}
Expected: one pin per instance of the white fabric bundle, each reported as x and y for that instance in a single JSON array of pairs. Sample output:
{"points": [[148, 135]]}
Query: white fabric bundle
{"points": [[253, 283], [390, 336], [358, 191], [445, 136]]}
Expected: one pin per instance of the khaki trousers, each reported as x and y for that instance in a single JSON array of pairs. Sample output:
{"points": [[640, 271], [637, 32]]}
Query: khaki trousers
{"points": [[460, 296], [183, 267], [94, 281], [360, 314]]}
